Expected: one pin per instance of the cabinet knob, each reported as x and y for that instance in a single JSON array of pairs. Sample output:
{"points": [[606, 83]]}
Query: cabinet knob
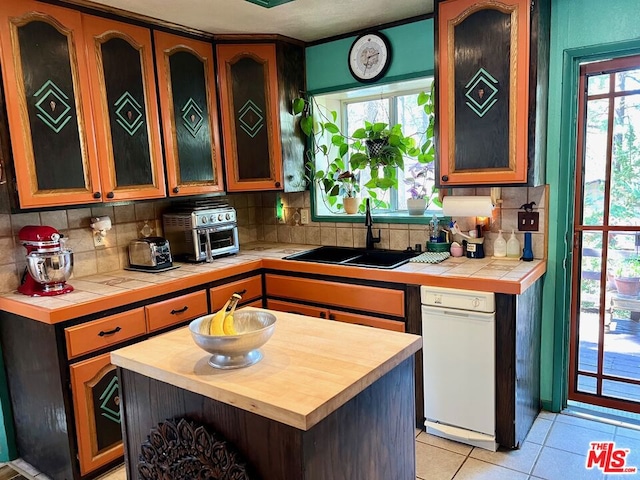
{"points": [[110, 195], [277, 184], [445, 178], [332, 316], [176, 190], [323, 315], [97, 195]]}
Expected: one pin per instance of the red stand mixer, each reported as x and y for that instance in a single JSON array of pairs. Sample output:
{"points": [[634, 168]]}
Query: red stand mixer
{"points": [[49, 264]]}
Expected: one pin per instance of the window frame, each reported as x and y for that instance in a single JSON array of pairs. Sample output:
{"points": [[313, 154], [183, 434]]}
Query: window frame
{"points": [[390, 92]]}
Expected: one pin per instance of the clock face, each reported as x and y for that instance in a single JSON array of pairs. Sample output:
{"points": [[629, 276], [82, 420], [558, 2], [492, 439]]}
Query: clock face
{"points": [[369, 57]]}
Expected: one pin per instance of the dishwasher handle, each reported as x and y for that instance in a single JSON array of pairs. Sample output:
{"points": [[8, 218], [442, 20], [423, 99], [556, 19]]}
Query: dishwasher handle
{"points": [[454, 313]]}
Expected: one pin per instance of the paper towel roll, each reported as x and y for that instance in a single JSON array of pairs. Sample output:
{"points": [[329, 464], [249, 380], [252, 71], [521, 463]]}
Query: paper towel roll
{"points": [[467, 206]]}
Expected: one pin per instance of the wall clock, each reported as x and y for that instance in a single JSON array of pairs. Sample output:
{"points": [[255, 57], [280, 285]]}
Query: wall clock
{"points": [[369, 57]]}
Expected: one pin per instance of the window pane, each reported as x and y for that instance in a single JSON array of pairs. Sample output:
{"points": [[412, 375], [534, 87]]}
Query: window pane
{"points": [[627, 80], [625, 162], [595, 162], [598, 84], [415, 175], [374, 111]]}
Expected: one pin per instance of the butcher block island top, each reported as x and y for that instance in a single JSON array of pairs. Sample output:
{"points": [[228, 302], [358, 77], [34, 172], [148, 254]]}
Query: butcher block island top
{"points": [[310, 367], [114, 289]]}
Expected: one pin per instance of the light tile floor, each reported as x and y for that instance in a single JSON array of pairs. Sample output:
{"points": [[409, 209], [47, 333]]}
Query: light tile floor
{"points": [[555, 449]]}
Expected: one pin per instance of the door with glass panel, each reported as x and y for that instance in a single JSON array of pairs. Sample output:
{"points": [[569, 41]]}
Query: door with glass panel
{"points": [[604, 367]]}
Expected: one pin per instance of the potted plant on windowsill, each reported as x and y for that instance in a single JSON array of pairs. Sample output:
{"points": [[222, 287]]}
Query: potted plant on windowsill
{"points": [[421, 172], [348, 188], [627, 277]]}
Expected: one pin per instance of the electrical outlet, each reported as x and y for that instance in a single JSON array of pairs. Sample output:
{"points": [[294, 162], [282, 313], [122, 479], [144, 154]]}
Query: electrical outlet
{"points": [[98, 240], [304, 216]]}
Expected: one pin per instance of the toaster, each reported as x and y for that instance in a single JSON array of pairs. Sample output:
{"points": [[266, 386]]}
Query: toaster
{"points": [[151, 253]]}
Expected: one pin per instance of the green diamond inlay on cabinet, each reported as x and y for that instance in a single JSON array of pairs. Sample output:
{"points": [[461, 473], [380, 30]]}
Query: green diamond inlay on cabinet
{"points": [[129, 113], [192, 116], [476, 91], [52, 106], [109, 399], [251, 118]]}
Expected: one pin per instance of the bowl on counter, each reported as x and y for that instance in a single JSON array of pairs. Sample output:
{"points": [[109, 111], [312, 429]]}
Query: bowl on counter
{"points": [[253, 327]]}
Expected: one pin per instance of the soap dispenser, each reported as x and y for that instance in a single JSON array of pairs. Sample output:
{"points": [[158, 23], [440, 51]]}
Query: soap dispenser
{"points": [[513, 246], [500, 246]]}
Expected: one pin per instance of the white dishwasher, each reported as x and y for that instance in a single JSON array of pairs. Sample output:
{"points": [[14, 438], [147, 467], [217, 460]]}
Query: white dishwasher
{"points": [[458, 331]]}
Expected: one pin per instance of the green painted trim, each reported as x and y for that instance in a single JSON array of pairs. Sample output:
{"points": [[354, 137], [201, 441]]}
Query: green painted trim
{"points": [[269, 3], [359, 218], [7, 433], [384, 81], [548, 406], [566, 176]]}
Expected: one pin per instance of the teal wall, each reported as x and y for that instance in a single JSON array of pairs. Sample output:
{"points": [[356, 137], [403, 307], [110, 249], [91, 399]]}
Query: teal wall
{"points": [[584, 30], [580, 31], [412, 56]]}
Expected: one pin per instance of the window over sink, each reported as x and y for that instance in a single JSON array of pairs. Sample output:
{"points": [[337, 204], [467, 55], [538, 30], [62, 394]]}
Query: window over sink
{"points": [[390, 104]]}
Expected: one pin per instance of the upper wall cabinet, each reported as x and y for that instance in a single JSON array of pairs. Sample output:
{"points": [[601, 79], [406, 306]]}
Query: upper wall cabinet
{"points": [[264, 150], [82, 107], [47, 93], [120, 60], [492, 77], [189, 114]]}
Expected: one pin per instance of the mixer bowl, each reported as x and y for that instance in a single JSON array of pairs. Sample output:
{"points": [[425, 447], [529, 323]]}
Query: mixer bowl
{"points": [[48, 268]]}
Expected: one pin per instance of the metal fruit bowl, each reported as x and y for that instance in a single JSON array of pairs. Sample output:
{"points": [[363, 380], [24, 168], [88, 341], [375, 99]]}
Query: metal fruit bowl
{"points": [[254, 328], [50, 267]]}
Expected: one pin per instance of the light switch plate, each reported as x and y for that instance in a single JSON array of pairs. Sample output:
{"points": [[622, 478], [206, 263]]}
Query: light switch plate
{"points": [[528, 221]]}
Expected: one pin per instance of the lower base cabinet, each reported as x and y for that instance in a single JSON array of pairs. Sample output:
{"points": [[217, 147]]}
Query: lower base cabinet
{"points": [[337, 315], [96, 402]]}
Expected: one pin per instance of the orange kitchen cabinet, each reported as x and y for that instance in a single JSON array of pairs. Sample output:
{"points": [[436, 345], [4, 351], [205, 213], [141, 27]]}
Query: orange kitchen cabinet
{"points": [[96, 404], [123, 94], [187, 86], [333, 300], [176, 310], [359, 297], [492, 59], [337, 315], [264, 147], [251, 288], [48, 101]]}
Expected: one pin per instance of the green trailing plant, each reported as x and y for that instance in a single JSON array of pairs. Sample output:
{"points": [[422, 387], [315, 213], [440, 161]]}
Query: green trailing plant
{"points": [[420, 173], [335, 160]]}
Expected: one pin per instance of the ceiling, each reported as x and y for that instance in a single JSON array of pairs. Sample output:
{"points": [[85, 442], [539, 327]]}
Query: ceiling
{"points": [[305, 20]]}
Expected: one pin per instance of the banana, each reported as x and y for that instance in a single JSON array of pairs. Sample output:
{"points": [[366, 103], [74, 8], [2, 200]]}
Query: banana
{"points": [[228, 326], [216, 327]]}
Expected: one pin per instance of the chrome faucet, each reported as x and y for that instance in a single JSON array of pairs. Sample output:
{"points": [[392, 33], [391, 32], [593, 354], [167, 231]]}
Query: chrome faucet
{"points": [[368, 222]]}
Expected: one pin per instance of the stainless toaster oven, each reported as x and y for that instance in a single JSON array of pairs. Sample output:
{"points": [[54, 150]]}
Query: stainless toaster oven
{"points": [[202, 233]]}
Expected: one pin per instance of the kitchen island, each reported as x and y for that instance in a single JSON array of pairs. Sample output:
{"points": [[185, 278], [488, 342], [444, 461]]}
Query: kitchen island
{"points": [[328, 400]]}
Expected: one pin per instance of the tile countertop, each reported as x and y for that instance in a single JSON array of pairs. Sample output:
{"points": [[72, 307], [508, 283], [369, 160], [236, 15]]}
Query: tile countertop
{"points": [[121, 287]]}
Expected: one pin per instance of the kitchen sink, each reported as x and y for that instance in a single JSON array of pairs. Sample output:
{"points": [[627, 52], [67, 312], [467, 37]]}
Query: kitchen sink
{"points": [[359, 257]]}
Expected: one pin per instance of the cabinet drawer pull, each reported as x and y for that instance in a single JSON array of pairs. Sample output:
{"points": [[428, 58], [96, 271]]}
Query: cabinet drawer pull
{"points": [[109, 332], [332, 316], [180, 310], [323, 315], [241, 292]]}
